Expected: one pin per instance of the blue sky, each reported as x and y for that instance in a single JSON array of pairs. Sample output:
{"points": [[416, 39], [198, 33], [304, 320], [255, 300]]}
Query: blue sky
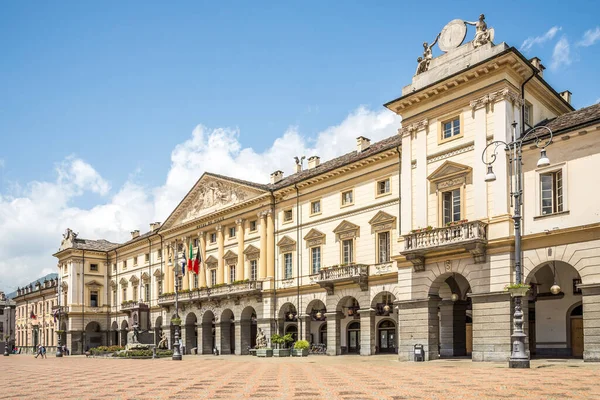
{"points": [[97, 99]]}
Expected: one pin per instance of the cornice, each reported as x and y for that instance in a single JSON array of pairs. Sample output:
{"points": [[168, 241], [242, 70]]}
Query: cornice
{"points": [[412, 129]]}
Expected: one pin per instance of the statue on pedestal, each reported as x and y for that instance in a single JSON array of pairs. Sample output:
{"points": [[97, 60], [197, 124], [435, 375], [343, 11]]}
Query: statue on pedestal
{"points": [[162, 344], [427, 56], [483, 35], [261, 340]]}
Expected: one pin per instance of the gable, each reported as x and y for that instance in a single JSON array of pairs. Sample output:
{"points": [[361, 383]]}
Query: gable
{"points": [[381, 218], [286, 241], [230, 255], [211, 260], [210, 194], [251, 250], [314, 234], [346, 226], [93, 284], [449, 170]]}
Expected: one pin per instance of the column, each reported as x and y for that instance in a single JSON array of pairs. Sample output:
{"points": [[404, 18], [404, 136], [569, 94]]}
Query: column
{"points": [[418, 324], [185, 281], [239, 270], [270, 245], [492, 320], [170, 269], [333, 333], [479, 168], [406, 188], [221, 253], [238, 337], [591, 321], [304, 334], [202, 250], [262, 268], [217, 343], [501, 132], [367, 332]]}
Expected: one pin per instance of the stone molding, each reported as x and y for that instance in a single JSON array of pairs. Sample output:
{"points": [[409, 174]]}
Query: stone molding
{"points": [[413, 128], [493, 97]]}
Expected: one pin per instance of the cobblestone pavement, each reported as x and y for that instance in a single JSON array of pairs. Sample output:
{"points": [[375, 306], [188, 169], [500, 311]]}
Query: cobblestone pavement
{"points": [[314, 377]]}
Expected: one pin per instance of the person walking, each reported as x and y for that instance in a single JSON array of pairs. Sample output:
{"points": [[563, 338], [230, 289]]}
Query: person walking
{"points": [[39, 351], [44, 352]]}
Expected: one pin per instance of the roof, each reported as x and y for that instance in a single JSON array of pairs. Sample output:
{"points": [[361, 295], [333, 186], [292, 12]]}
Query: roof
{"points": [[583, 116], [95, 245], [260, 186]]}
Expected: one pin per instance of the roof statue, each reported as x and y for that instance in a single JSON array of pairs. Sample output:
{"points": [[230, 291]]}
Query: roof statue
{"points": [[452, 36]]}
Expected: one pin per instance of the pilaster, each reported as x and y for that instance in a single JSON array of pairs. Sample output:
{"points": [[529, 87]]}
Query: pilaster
{"points": [[220, 253], [202, 250], [270, 245], [418, 324], [333, 333], [262, 269], [239, 271], [367, 332]]}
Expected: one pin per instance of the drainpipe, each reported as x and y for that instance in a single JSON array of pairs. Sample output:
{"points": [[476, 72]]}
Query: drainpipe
{"points": [[149, 300], [298, 259], [534, 73], [83, 304], [107, 301], [399, 191], [274, 311], [162, 260], [117, 296]]}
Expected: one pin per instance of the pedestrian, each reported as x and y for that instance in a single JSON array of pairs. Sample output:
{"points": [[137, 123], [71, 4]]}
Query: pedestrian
{"points": [[39, 351], [44, 352]]}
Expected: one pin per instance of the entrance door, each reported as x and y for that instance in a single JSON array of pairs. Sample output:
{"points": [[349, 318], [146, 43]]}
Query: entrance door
{"points": [[387, 337], [577, 337], [354, 337], [469, 334]]}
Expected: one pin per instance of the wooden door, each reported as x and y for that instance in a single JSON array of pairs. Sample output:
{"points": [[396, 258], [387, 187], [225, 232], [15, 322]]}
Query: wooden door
{"points": [[469, 334], [577, 337]]}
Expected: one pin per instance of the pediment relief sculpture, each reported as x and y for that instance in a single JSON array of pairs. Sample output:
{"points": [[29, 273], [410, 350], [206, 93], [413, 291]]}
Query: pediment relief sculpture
{"points": [[230, 256], [157, 273], [145, 276], [93, 284], [123, 282], [68, 239], [286, 241], [314, 237], [251, 250], [134, 279], [449, 174], [113, 284], [211, 260], [346, 230], [381, 218]]}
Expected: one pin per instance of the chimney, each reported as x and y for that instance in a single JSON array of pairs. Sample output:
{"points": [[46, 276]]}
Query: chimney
{"points": [[154, 226], [566, 95], [276, 176], [314, 162], [362, 144], [135, 234], [538, 64]]}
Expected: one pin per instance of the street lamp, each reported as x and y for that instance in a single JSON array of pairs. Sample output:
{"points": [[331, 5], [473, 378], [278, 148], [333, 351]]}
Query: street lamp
{"points": [[176, 344], [59, 331], [518, 357]]}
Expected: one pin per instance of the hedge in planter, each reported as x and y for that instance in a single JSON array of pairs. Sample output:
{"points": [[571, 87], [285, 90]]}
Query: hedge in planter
{"points": [[300, 348]]}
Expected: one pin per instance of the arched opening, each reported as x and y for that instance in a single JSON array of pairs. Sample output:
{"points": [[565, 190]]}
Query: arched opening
{"points": [[124, 330], [191, 333], [553, 329], [248, 329], [288, 315], [353, 337], [316, 312], [227, 332], [454, 334], [63, 335], [114, 333], [384, 324], [158, 330], [93, 335], [208, 332], [350, 342], [293, 330]]}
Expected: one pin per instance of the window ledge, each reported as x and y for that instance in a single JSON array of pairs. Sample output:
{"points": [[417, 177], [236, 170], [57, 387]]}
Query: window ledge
{"points": [[315, 214], [346, 205], [551, 215]]}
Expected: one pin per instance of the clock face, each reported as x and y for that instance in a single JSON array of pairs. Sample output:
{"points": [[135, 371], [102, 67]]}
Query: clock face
{"points": [[452, 35]]}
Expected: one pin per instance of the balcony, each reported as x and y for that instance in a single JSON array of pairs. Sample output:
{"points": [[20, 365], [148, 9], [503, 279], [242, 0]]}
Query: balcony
{"points": [[64, 310], [354, 273], [225, 291], [466, 236]]}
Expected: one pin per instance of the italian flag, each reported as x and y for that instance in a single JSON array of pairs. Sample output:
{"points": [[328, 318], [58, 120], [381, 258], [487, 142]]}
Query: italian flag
{"points": [[190, 260]]}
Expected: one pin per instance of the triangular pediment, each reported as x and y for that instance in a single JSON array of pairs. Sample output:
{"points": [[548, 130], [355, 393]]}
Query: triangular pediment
{"points": [[447, 170], [286, 241], [157, 273], [211, 260], [314, 234], [93, 283], [251, 250], [230, 255], [123, 281], [134, 279], [346, 226], [210, 194], [381, 218], [113, 283], [145, 276]]}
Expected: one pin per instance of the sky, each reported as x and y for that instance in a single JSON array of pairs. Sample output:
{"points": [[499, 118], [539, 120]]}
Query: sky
{"points": [[110, 111]]}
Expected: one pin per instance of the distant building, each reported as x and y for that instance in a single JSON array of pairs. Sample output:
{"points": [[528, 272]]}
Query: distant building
{"points": [[7, 322]]}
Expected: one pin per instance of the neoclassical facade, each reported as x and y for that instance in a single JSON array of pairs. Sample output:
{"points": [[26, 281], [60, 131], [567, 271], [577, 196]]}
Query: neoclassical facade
{"points": [[395, 244]]}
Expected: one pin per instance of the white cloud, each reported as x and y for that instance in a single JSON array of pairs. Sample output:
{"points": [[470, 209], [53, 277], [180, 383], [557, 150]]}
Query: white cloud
{"points": [[561, 54], [531, 41], [590, 37], [33, 216]]}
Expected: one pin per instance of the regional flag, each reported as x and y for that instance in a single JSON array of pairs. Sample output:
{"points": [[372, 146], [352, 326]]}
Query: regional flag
{"points": [[183, 264], [191, 258], [197, 262]]}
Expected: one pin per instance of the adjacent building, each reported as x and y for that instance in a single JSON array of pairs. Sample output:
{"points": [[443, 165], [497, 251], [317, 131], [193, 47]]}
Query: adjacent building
{"points": [[7, 322], [394, 244]]}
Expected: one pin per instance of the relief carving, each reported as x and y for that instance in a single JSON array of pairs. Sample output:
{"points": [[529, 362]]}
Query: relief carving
{"points": [[213, 194]]}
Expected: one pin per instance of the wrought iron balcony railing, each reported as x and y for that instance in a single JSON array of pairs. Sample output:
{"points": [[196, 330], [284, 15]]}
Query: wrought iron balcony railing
{"points": [[236, 289]]}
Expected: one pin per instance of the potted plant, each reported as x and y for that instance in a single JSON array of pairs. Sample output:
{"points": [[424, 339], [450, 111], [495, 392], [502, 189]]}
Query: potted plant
{"points": [[279, 341], [300, 348], [176, 321], [517, 289], [264, 352]]}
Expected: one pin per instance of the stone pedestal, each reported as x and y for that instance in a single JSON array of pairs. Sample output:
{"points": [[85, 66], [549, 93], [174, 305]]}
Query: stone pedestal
{"points": [[418, 323], [453, 340], [591, 321], [492, 327], [367, 332], [333, 333]]}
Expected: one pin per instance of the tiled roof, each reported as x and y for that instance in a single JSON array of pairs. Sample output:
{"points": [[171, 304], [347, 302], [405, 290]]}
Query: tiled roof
{"points": [[573, 119], [96, 245]]}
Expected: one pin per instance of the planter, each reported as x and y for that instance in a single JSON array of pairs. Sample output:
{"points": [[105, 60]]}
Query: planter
{"points": [[264, 352], [281, 352], [300, 352], [252, 352], [518, 292]]}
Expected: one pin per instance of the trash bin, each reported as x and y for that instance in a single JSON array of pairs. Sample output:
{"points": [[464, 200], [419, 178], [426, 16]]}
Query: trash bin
{"points": [[419, 352]]}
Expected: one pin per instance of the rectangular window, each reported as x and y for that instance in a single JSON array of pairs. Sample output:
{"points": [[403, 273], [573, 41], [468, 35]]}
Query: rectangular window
{"points": [[287, 215], [287, 262], [347, 197], [383, 187], [179, 282], [348, 251], [195, 281], [253, 268], [253, 226], [115, 268], [114, 297], [527, 114], [160, 287], [213, 238], [213, 277], [315, 257], [94, 267], [451, 128], [147, 258], [135, 261], [315, 207], [125, 264], [383, 245], [195, 241], [231, 273], [94, 298], [451, 206], [232, 232], [124, 296], [159, 254], [135, 294], [551, 192]]}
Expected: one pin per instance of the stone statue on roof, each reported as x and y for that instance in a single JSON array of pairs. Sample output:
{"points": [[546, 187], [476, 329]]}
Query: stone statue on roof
{"points": [[425, 60], [483, 35]]}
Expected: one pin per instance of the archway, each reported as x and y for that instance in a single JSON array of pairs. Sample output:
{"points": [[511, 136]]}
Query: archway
{"points": [[248, 329], [454, 309], [288, 315], [124, 330], [63, 335], [555, 315], [226, 323], [93, 335], [314, 323], [208, 332], [114, 333], [191, 333], [292, 330], [346, 329], [158, 330], [383, 324]]}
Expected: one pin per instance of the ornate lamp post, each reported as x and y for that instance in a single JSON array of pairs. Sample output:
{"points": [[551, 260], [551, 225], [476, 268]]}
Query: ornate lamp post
{"points": [[176, 344], [518, 357], [59, 331]]}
